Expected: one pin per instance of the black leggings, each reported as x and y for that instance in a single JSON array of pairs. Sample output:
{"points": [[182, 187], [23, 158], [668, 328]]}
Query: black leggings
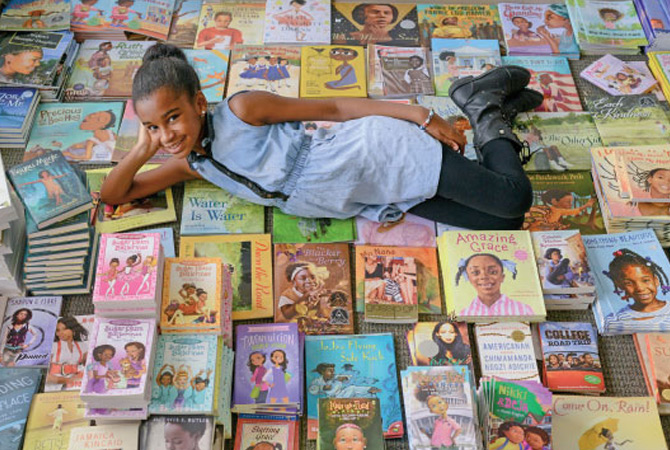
{"points": [[493, 195]]}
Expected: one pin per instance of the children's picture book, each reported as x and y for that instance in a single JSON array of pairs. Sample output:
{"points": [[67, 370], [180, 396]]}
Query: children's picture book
{"points": [[167, 240], [68, 353], [490, 274], [551, 76], [405, 71], [313, 287], [343, 420], [447, 109], [184, 375], [44, 15], [562, 263], [458, 58], [192, 295], [225, 25], [397, 283], [460, 21], [612, 23], [645, 169], [506, 350], [332, 71], [373, 23], [563, 201], [83, 133], [184, 24], [571, 361], [212, 69], [127, 137], [559, 141], [208, 209], [440, 344], [105, 69], [657, 367], [28, 330], [99, 437], [290, 22], [17, 115], [269, 68], [19, 388], [353, 366], [293, 229], [247, 259], [617, 77], [408, 231], [52, 416], [274, 434]]}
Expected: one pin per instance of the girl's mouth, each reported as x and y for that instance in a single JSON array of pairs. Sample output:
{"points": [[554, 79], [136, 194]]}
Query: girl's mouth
{"points": [[176, 147]]}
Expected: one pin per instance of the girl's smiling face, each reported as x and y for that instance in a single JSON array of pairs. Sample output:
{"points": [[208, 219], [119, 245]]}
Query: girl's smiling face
{"points": [[447, 333], [304, 281], [515, 434], [639, 283], [277, 357], [534, 441], [257, 359], [64, 333], [349, 439], [176, 438], [133, 352], [485, 274], [166, 379], [106, 356], [437, 405], [660, 182]]}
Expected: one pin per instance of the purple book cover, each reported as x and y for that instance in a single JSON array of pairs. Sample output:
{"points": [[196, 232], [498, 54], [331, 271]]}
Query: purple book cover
{"points": [[616, 77], [267, 357]]}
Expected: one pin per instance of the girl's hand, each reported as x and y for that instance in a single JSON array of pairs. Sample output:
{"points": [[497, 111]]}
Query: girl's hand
{"points": [[145, 146], [447, 134]]}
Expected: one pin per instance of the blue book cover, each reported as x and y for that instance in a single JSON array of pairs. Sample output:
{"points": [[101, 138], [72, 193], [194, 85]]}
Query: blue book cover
{"points": [[184, 374], [211, 67], [352, 366], [631, 271], [28, 331], [15, 104], [167, 240], [458, 58], [17, 388], [49, 187]]}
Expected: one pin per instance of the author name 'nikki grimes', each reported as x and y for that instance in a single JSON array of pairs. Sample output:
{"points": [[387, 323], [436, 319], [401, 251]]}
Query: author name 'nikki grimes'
{"points": [[485, 242]]}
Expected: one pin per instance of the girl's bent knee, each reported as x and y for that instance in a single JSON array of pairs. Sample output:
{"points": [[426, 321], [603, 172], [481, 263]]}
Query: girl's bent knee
{"points": [[518, 200]]}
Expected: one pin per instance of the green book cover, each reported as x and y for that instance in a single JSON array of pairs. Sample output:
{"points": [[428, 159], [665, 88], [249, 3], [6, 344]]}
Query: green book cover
{"points": [[288, 229], [347, 420]]}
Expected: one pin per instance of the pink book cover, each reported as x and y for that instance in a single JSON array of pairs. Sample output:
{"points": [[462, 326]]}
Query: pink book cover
{"points": [[118, 356], [616, 77], [408, 231], [127, 264]]}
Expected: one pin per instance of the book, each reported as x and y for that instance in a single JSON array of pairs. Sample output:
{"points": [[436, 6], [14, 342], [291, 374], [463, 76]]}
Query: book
{"points": [[349, 420], [208, 209], [294, 229], [288, 23], [28, 330], [184, 375], [17, 114], [652, 353], [405, 71], [127, 137], [84, 133], [101, 437], [571, 362], [68, 353], [18, 388], [248, 259], [52, 416], [439, 344], [212, 69], [167, 240], [363, 24], [558, 141], [160, 432], [116, 414], [506, 351], [18, 15], [251, 432], [564, 201], [447, 109], [269, 68], [332, 71], [617, 77], [353, 366], [313, 287], [643, 175], [460, 21], [225, 387], [397, 283], [610, 26], [408, 231], [458, 58], [50, 189], [490, 274], [225, 25], [184, 24]]}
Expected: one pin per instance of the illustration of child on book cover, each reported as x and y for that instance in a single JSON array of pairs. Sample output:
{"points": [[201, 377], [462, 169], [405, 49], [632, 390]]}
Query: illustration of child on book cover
{"points": [[562, 263], [267, 68], [345, 423], [226, 25], [370, 23], [170, 432], [301, 21], [332, 71], [31, 58], [22, 15]]}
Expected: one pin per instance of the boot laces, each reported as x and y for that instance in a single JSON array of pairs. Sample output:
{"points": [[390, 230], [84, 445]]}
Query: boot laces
{"points": [[526, 153]]}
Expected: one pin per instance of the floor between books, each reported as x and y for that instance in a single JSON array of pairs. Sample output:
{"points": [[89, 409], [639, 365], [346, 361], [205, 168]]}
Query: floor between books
{"points": [[623, 376]]}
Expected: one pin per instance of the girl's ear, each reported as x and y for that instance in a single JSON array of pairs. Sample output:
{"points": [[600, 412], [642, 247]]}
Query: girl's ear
{"points": [[201, 103]]}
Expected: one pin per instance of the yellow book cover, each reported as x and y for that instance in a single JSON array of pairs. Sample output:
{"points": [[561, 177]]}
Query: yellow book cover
{"points": [[225, 25], [590, 423], [493, 273], [52, 416], [332, 71], [192, 295], [248, 259]]}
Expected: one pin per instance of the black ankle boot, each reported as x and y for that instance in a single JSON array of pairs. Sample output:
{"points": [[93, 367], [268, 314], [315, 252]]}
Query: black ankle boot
{"points": [[522, 101]]}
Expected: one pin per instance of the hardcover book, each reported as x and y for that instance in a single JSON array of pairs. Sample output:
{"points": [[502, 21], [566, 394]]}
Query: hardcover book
{"points": [[269, 68], [293, 229], [17, 105], [332, 71], [68, 353], [408, 231], [405, 71], [18, 389], [506, 351], [363, 24], [458, 58], [349, 420], [612, 24], [440, 344], [46, 15], [212, 69], [127, 137], [52, 416], [658, 363], [225, 25], [124, 435], [561, 261], [313, 287], [184, 24], [290, 22], [459, 22]]}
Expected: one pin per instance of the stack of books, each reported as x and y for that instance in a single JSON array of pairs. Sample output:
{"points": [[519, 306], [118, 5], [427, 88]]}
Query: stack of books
{"points": [[17, 114], [129, 276], [659, 63], [652, 352], [655, 20]]}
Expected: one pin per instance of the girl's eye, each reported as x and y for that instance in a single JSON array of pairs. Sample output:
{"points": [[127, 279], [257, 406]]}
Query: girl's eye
{"points": [[173, 118]]}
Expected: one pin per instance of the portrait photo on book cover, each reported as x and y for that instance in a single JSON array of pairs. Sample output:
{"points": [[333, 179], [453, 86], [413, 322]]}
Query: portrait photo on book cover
{"points": [[390, 280], [369, 23]]}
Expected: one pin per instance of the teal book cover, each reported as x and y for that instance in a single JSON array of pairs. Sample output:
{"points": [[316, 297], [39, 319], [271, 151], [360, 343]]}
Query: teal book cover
{"points": [[18, 386], [212, 68], [287, 229]]}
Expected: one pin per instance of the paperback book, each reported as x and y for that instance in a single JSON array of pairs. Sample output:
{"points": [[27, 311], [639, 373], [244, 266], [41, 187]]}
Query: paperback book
{"points": [[349, 419], [332, 71], [408, 231], [52, 416], [276, 434], [653, 355], [290, 22], [644, 171], [458, 58], [17, 115], [506, 351], [461, 21], [68, 353], [617, 77], [405, 71], [18, 389], [294, 229], [45, 15], [127, 137], [365, 24], [99, 437], [184, 24], [269, 68], [225, 25], [440, 344], [212, 69]]}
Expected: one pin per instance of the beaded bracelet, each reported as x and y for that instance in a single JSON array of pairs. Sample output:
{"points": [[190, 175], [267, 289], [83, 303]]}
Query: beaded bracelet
{"points": [[425, 124]]}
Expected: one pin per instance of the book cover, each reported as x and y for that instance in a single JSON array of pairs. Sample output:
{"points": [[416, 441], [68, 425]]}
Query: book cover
{"points": [[274, 434], [458, 58], [15, 106], [208, 209], [570, 357], [248, 259], [645, 173], [447, 109], [344, 420], [116, 364], [83, 132], [46, 15], [192, 295], [459, 22], [551, 76], [313, 287], [68, 353], [212, 69], [269, 68], [490, 274], [656, 349], [225, 25], [405, 71], [18, 388], [105, 69], [293, 229], [560, 140], [642, 67], [564, 201], [184, 375], [408, 231], [52, 416], [105, 437], [332, 71], [127, 137], [617, 77], [562, 263], [289, 22], [167, 240], [28, 330], [353, 366], [612, 23], [440, 344], [184, 23], [364, 23], [606, 421], [127, 268], [397, 282], [506, 351]]}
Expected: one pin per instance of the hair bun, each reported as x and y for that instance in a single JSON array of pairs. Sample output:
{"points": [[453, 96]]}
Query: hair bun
{"points": [[161, 50]]}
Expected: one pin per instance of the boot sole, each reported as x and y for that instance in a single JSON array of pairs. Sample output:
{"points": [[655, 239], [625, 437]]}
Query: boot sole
{"points": [[463, 81]]}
